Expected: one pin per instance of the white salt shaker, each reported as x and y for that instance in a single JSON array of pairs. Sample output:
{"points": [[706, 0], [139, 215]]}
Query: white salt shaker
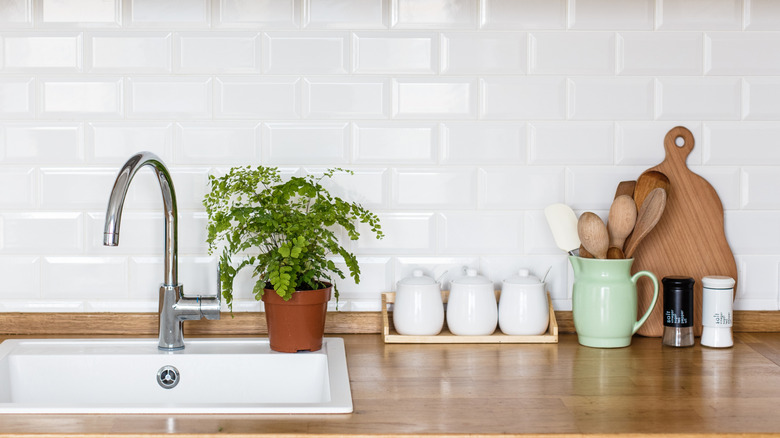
{"points": [[523, 308], [717, 309]]}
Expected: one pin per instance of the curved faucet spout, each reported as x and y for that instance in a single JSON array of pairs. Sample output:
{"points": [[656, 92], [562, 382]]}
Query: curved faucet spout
{"points": [[117, 201]]}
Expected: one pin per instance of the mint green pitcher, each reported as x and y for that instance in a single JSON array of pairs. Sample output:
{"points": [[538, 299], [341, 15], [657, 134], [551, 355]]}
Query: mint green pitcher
{"points": [[604, 301]]}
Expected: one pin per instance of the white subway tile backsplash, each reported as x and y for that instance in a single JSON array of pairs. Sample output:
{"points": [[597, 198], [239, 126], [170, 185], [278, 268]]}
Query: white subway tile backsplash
{"points": [[754, 183], [577, 53], [112, 142], [752, 232], [761, 97], [405, 233], [367, 186], [23, 180], [139, 52], [305, 143], [715, 98], [84, 277], [41, 232], [203, 52], [355, 98], [762, 15], [95, 97], [483, 143], [610, 99], [17, 98], [395, 143], [61, 52], [522, 14], [376, 274], [434, 188], [54, 142], [431, 99], [16, 13], [612, 14], [484, 53], [580, 143], [306, 53], [725, 181], [152, 13], [191, 186], [140, 232], [21, 277], [660, 53], [434, 14], [234, 143], [83, 12], [592, 188], [527, 187], [395, 52], [730, 53], [699, 14], [346, 14], [178, 97], [523, 98], [75, 188], [257, 98], [468, 233], [757, 288], [731, 144], [193, 231], [642, 143], [258, 14]]}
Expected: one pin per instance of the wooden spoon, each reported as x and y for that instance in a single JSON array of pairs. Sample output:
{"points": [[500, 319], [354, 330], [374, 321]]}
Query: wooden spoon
{"points": [[585, 254], [622, 218], [615, 253], [625, 188], [649, 215], [646, 183], [593, 234]]}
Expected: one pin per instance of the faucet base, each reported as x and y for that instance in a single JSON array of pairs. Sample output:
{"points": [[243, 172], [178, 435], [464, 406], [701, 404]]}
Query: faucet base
{"points": [[175, 308]]}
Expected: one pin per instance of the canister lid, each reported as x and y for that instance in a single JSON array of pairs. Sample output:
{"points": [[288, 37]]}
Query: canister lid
{"points": [[678, 281], [523, 277], [417, 278], [718, 282], [471, 277]]}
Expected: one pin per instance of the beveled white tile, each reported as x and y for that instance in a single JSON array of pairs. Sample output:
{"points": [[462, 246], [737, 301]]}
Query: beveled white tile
{"points": [[730, 53], [522, 14], [82, 12], [225, 52], [353, 98], [75, 188], [754, 183], [434, 188], [345, 14], [735, 144], [140, 232], [21, 277], [234, 143], [151, 13], [578, 53], [611, 98], [761, 97], [16, 13], [472, 232], [180, 97], [484, 53], [405, 233], [258, 98], [112, 142], [395, 142], [757, 287], [660, 53], [68, 98], [193, 231], [84, 277], [191, 187], [458, 14], [752, 232], [395, 52], [367, 186], [699, 14], [726, 182], [592, 188], [642, 143], [25, 187], [523, 98], [258, 14], [612, 14], [306, 53], [43, 50], [699, 98], [564, 143], [376, 275], [139, 52], [483, 143], [305, 143], [435, 98], [17, 98], [42, 232], [51, 142], [526, 187], [762, 15]]}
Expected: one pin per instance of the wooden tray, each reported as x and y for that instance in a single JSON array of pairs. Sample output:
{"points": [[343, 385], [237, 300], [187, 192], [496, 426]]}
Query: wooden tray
{"points": [[445, 337]]}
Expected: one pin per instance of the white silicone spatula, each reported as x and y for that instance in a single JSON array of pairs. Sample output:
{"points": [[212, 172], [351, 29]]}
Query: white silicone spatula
{"points": [[563, 224]]}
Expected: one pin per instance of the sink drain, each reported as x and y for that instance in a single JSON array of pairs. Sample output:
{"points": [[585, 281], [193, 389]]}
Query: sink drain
{"points": [[168, 377]]}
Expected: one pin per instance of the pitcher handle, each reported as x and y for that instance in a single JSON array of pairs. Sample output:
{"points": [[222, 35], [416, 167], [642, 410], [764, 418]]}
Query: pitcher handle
{"points": [[644, 317]]}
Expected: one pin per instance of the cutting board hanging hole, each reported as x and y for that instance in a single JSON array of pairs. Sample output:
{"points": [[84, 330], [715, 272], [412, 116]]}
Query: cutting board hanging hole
{"points": [[679, 141]]}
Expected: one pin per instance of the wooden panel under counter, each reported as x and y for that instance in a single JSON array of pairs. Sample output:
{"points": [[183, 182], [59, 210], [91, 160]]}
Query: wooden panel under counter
{"points": [[454, 389]]}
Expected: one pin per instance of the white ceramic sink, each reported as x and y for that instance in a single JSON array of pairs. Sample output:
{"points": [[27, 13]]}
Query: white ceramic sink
{"points": [[240, 375]]}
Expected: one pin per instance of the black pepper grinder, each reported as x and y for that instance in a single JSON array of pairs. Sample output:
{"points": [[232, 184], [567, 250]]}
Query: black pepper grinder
{"points": [[678, 311]]}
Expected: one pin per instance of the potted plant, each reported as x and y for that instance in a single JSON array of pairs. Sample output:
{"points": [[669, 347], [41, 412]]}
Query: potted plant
{"points": [[286, 232]]}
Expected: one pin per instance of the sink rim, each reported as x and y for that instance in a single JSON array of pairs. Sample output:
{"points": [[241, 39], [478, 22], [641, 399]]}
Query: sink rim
{"points": [[333, 349]]}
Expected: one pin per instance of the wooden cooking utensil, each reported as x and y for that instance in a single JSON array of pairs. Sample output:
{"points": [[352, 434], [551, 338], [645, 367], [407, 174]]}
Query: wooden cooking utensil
{"points": [[585, 254], [615, 253], [563, 225], [593, 234], [689, 239], [646, 182], [649, 215], [622, 218], [625, 188]]}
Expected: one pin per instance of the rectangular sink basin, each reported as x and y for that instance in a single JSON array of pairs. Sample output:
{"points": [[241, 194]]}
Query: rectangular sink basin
{"points": [[223, 376]]}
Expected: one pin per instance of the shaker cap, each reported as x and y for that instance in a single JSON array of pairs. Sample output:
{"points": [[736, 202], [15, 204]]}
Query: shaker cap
{"points": [[678, 281], [718, 282]]}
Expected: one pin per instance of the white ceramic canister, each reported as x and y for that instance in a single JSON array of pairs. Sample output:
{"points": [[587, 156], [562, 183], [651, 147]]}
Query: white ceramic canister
{"points": [[472, 309], [522, 308], [418, 308]]}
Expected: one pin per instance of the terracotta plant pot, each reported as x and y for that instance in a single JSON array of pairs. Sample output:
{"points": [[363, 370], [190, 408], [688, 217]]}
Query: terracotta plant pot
{"points": [[298, 324]]}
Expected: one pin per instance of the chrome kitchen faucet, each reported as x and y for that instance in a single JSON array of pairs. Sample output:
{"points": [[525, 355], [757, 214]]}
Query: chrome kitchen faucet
{"points": [[174, 308]]}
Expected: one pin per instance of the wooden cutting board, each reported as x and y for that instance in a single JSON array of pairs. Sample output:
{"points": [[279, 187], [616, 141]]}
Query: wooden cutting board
{"points": [[689, 239]]}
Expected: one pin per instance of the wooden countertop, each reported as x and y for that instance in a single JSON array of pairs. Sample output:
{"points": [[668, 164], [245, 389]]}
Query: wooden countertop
{"points": [[529, 389]]}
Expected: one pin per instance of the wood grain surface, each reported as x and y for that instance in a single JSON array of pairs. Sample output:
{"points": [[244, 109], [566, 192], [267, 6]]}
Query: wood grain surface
{"points": [[689, 239], [562, 390]]}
